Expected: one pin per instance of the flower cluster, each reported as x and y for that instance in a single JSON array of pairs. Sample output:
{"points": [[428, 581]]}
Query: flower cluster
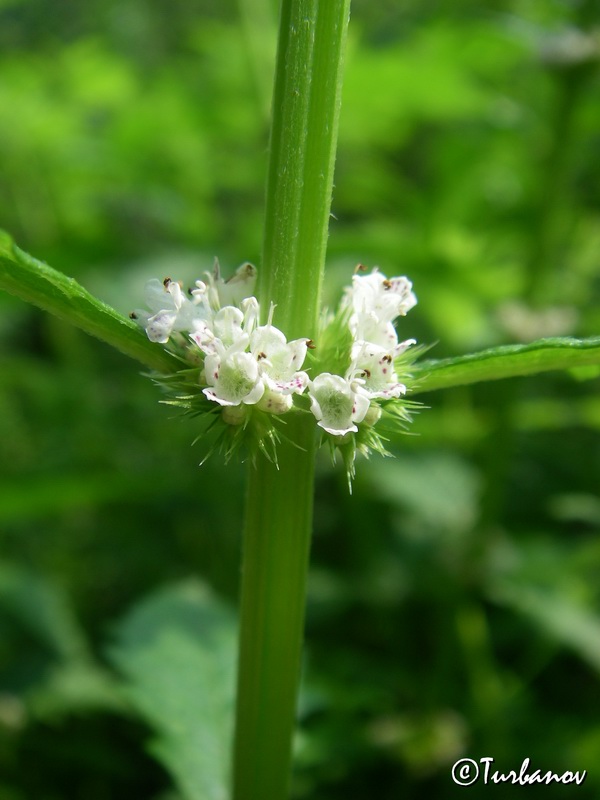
{"points": [[251, 375], [340, 403], [244, 363]]}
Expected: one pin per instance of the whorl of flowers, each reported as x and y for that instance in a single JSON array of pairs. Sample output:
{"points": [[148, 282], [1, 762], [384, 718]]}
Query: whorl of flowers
{"points": [[244, 377]]}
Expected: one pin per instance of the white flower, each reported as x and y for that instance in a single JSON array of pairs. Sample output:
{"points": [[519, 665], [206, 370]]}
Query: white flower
{"points": [[172, 311], [230, 292], [336, 405], [232, 375], [250, 372], [279, 359], [251, 311], [228, 326], [375, 302], [201, 299], [238, 287], [267, 374], [372, 372], [367, 328], [383, 297]]}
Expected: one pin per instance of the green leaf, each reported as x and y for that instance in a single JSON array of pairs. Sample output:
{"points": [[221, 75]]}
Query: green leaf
{"points": [[561, 617], [177, 651], [508, 361], [43, 610], [66, 677], [438, 488], [37, 283]]}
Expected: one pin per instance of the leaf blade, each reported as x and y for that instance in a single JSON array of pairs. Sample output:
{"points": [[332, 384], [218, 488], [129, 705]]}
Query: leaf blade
{"points": [[36, 282], [507, 361], [177, 651]]}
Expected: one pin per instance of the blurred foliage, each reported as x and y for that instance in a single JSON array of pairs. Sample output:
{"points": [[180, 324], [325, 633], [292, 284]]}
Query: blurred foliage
{"points": [[178, 651], [454, 605]]}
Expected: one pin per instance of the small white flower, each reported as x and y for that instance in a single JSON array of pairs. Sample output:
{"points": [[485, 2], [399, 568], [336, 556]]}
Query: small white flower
{"points": [[383, 297], [201, 299], [336, 405], [232, 376], [251, 311], [368, 329], [240, 286], [172, 311], [227, 326], [230, 292], [205, 338], [279, 359], [230, 326], [375, 302], [372, 372]]}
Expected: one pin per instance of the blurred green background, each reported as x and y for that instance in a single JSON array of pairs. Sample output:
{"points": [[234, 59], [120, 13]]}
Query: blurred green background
{"points": [[454, 598]]}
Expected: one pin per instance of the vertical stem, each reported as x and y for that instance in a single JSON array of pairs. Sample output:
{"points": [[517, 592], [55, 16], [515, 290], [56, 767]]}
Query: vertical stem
{"points": [[306, 105], [279, 506], [276, 550]]}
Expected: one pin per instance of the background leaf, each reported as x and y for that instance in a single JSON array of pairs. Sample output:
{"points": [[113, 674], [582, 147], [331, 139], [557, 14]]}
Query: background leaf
{"points": [[177, 651]]}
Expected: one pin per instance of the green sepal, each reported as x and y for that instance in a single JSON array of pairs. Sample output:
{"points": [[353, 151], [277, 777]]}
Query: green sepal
{"points": [[333, 346], [241, 431]]}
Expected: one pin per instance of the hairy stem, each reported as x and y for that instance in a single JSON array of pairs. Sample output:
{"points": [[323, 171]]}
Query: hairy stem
{"points": [[279, 507]]}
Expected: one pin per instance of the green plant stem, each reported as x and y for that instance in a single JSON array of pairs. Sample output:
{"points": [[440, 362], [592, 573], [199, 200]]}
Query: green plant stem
{"points": [[279, 507], [276, 552], [306, 106]]}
